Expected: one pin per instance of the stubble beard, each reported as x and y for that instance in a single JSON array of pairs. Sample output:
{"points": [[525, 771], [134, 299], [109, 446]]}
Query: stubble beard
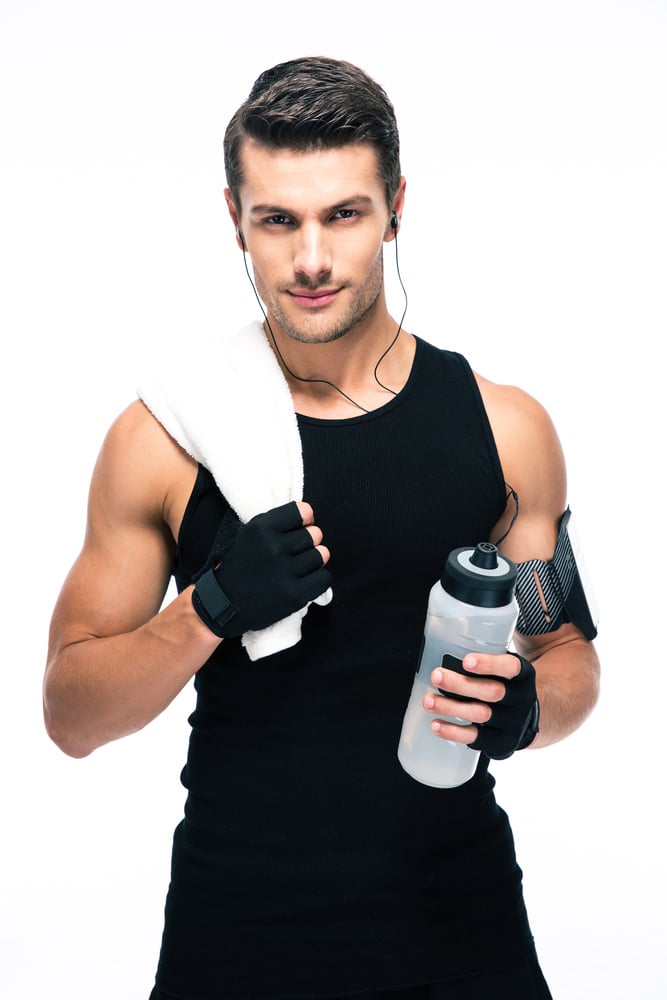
{"points": [[321, 329]]}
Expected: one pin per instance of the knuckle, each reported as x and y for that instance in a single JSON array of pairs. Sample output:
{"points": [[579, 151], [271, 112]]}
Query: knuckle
{"points": [[516, 666], [497, 692], [479, 713]]}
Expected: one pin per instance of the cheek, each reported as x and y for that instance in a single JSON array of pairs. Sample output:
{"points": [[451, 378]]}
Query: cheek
{"points": [[374, 268], [360, 260], [269, 269], [353, 259]]}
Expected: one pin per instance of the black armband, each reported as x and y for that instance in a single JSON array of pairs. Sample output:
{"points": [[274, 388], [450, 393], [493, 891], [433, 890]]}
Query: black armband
{"points": [[555, 591]]}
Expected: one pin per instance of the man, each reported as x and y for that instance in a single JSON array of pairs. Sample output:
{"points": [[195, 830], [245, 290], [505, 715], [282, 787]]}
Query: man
{"points": [[309, 864]]}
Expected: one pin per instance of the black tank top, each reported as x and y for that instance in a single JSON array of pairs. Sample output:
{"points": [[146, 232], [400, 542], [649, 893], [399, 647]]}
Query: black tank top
{"points": [[308, 862]]}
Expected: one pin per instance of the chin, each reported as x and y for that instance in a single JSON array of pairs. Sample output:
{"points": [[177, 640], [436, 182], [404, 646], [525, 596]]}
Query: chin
{"points": [[315, 336], [321, 330]]}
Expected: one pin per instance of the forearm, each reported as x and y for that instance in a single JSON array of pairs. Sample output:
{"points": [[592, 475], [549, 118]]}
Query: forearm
{"points": [[102, 688], [568, 684]]}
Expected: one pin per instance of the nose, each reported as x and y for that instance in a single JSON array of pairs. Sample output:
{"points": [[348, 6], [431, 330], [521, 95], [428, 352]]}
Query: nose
{"points": [[312, 254]]}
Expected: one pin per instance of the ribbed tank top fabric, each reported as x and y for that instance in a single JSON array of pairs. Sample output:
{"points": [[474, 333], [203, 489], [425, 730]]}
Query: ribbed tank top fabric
{"points": [[308, 863]]}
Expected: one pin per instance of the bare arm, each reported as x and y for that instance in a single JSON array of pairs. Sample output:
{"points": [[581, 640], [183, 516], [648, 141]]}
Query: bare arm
{"points": [[566, 663], [115, 661], [568, 680]]}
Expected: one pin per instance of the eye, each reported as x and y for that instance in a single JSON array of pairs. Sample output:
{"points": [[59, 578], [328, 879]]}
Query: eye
{"points": [[346, 213], [277, 220]]}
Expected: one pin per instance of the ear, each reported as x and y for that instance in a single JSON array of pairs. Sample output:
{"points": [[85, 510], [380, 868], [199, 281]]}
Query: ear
{"points": [[397, 204], [234, 215]]}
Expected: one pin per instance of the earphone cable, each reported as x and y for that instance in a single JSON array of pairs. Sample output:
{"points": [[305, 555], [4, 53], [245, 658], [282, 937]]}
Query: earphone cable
{"points": [[324, 381]]}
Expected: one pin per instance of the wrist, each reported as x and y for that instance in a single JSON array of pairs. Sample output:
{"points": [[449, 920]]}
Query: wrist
{"points": [[532, 728], [213, 605], [199, 628]]}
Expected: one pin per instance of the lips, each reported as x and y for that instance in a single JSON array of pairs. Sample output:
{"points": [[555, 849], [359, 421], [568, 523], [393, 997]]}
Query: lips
{"points": [[314, 299]]}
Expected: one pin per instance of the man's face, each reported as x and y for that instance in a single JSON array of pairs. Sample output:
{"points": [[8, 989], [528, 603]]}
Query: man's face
{"points": [[314, 224]]}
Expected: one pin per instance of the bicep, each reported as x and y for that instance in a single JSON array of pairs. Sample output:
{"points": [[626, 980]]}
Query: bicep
{"points": [[534, 467], [115, 586], [121, 576]]}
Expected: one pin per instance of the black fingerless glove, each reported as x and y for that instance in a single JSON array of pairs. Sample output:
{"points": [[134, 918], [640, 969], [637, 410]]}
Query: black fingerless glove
{"points": [[259, 572], [514, 721]]}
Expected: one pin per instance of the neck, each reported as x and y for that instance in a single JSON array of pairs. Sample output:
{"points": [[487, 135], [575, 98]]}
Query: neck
{"points": [[357, 373]]}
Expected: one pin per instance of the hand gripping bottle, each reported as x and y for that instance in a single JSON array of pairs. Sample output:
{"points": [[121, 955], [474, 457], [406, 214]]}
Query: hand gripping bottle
{"points": [[471, 609]]}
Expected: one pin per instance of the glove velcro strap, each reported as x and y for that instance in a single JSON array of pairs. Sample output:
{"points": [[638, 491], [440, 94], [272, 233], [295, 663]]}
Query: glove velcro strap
{"points": [[532, 727], [211, 603]]}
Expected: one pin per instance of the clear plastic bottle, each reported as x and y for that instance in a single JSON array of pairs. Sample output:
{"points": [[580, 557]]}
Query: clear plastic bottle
{"points": [[472, 608]]}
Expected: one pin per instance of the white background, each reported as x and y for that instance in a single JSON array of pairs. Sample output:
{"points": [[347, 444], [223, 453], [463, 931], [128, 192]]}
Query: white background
{"points": [[533, 240]]}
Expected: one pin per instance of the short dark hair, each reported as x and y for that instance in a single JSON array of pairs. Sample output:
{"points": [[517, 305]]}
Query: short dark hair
{"points": [[315, 103]]}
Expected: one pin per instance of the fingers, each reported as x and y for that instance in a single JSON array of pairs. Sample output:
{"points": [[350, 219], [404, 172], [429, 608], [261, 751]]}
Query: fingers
{"points": [[469, 715], [453, 732], [307, 562], [306, 511], [324, 553], [492, 695], [314, 536], [308, 519], [312, 545], [462, 696], [503, 665], [474, 712], [319, 583], [297, 518], [462, 685]]}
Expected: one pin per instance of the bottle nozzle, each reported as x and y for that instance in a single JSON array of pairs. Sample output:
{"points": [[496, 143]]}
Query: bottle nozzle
{"points": [[479, 576], [485, 556]]}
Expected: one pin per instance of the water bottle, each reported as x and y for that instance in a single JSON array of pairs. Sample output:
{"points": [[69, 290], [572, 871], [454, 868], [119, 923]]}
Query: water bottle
{"points": [[471, 609]]}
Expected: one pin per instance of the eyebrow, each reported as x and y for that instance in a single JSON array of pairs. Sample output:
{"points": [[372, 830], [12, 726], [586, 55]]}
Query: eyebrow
{"points": [[268, 209]]}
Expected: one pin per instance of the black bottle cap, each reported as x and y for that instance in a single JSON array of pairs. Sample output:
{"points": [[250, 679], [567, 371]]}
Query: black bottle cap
{"points": [[479, 576], [485, 556]]}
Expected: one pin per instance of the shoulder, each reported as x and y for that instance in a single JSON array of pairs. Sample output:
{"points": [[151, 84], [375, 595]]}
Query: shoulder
{"points": [[533, 465], [137, 442], [513, 411], [141, 472]]}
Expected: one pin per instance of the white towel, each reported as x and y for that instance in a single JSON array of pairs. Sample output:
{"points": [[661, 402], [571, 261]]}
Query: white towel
{"points": [[227, 403]]}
